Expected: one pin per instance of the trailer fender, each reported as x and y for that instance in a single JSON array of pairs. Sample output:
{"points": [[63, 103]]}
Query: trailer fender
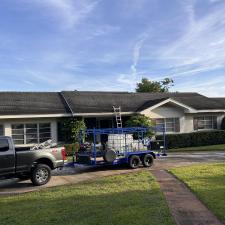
{"points": [[153, 154]]}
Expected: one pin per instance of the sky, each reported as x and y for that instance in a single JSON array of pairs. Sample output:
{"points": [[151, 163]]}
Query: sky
{"points": [[109, 45]]}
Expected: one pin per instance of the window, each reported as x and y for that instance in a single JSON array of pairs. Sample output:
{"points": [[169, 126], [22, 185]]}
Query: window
{"points": [[4, 145], [44, 132], [1, 130], [205, 122], [170, 124], [18, 133], [31, 133]]}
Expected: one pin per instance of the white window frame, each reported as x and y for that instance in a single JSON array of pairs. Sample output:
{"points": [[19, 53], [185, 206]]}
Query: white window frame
{"points": [[165, 123], [24, 134], [204, 120]]}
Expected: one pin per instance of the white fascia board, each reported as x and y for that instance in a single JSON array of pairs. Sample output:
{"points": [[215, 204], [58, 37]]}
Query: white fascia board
{"points": [[34, 116], [60, 115], [167, 101], [207, 111], [102, 114]]}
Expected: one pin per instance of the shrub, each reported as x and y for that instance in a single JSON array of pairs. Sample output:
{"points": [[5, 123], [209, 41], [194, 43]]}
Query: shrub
{"points": [[71, 148], [70, 129], [139, 120], [194, 139]]}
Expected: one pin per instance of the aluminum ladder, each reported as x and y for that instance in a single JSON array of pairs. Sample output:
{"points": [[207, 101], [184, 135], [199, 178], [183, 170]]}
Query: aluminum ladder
{"points": [[117, 112]]}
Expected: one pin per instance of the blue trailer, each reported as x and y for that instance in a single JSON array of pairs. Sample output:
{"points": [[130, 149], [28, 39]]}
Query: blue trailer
{"points": [[111, 146]]}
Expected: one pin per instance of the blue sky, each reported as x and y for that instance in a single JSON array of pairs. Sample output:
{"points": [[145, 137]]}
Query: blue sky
{"points": [[52, 45]]}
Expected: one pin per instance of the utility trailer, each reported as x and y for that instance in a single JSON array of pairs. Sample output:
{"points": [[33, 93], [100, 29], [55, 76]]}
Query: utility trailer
{"points": [[112, 146]]}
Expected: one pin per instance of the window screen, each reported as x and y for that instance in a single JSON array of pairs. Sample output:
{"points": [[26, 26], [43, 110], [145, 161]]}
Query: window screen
{"points": [[205, 122], [31, 133], [170, 124]]}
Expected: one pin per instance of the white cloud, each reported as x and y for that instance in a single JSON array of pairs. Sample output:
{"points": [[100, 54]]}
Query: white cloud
{"points": [[205, 87], [71, 12], [132, 79], [201, 47]]}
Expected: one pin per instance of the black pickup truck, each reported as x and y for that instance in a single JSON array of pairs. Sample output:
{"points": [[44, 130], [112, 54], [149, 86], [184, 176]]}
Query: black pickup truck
{"points": [[33, 164]]}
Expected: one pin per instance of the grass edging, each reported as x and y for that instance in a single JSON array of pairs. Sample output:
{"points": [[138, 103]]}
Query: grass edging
{"points": [[204, 185], [199, 148]]}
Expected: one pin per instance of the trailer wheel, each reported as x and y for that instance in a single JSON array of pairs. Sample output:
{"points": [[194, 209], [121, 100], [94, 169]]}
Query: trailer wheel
{"points": [[41, 174], [147, 160], [134, 161]]}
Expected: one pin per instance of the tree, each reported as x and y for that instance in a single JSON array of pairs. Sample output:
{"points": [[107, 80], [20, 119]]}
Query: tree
{"points": [[147, 85], [139, 120], [71, 129]]}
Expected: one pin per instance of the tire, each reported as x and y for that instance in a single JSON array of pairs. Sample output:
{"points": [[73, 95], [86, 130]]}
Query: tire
{"points": [[109, 156], [134, 162], [147, 160], [40, 175]]}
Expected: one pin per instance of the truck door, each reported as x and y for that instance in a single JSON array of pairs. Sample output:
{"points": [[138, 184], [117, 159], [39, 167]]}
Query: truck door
{"points": [[7, 157]]}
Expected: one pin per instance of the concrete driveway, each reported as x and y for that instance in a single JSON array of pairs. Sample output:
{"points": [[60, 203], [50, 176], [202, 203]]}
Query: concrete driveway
{"points": [[76, 175]]}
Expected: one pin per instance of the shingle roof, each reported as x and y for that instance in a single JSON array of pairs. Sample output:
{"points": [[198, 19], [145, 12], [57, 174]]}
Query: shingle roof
{"points": [[18, 103], [96, 102], [200, 102], [221, 100]]}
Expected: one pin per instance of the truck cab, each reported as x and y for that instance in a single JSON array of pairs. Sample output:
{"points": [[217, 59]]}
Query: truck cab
{"points": [[7, 156]]}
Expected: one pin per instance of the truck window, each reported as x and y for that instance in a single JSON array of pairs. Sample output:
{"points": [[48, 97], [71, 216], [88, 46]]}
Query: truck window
{"points": [[1, 130], [4, 145]]}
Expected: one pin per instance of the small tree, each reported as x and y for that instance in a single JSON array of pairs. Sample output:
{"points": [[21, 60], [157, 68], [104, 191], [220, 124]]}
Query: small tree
{"points": [[139, 120], [147, 85], [71, 129], [223, 124]]}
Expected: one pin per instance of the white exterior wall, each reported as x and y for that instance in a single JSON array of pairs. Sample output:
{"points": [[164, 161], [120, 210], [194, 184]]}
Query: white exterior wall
{"points": [[186, 119], [169, 111], [8, 131]]}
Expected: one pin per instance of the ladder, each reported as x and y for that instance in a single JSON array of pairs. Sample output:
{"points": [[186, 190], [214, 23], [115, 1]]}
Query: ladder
{"points": [[117, 112]]}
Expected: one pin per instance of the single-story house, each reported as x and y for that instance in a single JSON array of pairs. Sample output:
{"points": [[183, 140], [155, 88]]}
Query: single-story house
{"points": [[32, 117]]}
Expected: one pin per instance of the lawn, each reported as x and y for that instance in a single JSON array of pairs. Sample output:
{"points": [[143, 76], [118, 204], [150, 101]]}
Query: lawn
{"points": [[133, 199], [208, 182], [200, 148]]}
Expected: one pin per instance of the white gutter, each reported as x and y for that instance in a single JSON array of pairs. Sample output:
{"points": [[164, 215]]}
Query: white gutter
{"points": [[34, 116], [102, 114]]}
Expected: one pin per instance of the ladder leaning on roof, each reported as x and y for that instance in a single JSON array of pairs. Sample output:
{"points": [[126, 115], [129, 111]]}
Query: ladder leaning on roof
{"points": [[117, 112]]}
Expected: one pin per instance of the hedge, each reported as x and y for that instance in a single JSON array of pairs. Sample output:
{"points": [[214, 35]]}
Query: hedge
{"points": [[195, 139]]}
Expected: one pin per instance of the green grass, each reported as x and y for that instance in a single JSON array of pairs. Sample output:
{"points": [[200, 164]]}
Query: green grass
{"points": [[208, 182], [200, 148], [132, 199]]}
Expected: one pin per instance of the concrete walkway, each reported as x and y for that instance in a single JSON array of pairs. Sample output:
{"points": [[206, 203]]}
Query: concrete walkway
{"points": [[186, 209]]}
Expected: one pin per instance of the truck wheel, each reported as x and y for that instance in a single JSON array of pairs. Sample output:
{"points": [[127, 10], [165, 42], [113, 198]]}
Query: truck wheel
{"points": [[41, 174], [134, 162], [147, 160]]}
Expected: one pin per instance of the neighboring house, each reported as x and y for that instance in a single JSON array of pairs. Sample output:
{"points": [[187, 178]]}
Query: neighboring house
{"points": [[32, 117]]}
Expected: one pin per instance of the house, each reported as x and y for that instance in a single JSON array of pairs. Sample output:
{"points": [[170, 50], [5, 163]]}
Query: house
{"points": [[32, 117]]}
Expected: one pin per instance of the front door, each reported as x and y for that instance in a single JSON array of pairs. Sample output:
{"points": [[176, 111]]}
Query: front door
{"points": [[7, 157]]}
